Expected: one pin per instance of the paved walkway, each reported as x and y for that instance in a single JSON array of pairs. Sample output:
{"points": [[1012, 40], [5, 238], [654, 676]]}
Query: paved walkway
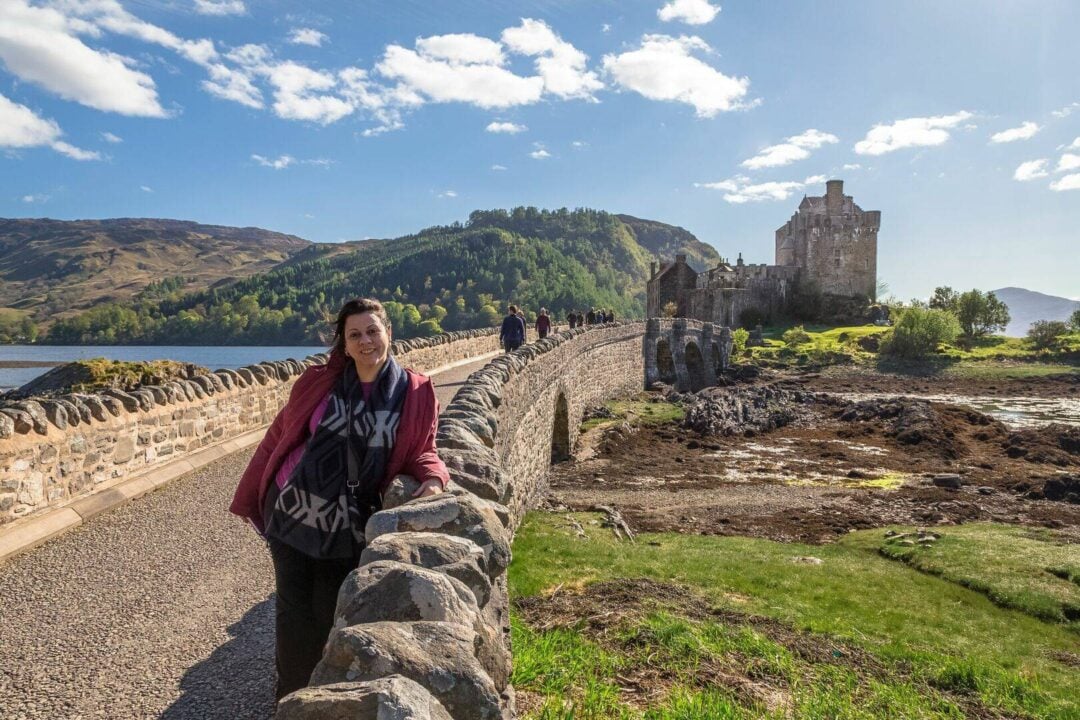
{"points": [[161, 608]]}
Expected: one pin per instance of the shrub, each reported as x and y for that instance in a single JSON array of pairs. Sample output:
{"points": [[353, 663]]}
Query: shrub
{"points": [[796, 336], [738, 340], [1045, 333], [919, 331]]}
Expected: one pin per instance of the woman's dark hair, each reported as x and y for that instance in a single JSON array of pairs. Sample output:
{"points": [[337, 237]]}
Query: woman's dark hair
{"points": [[356, 307]]}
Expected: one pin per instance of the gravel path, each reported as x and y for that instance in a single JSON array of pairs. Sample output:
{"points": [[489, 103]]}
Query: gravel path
{"points": [[161, 608]]}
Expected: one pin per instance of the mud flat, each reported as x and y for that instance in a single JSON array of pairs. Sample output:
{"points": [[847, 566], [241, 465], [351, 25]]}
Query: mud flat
{"points": [[772, 460]]}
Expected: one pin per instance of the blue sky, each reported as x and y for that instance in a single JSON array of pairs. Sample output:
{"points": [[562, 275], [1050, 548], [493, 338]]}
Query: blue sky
{"points": [[337, 120]]}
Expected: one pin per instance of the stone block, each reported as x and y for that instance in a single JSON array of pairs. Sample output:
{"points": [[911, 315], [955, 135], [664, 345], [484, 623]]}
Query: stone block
{"points": [[437, 655], [389, 698], [125, 449], [391, 590], [457, 557]]}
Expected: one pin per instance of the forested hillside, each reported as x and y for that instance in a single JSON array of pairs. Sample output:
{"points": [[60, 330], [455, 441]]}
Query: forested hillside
{"points": [[442, 278]]}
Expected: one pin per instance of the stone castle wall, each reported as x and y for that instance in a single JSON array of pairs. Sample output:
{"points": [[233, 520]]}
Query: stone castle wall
{"points": [[53, 451]]}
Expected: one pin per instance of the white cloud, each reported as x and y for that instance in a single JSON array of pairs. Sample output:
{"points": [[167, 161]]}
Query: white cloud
{"points": [[40, 198], [146, 188], [797, 147], [1075, 144], [505, 127], [540, 154], [426, 78], [1068, 182], [38, 45], [1026, 131], [461, 49], [298, 94], [579, 144], [691, 12], [220, 7], [20, 127], [663, 69], [561, 65], [910, 132], [448, 194], [605, 28], [280, 163], [1068, 162], [1066, 111], [110, 138], [853, 166], [498, 167], [740, 190], [307, 36], [1031, 170]]}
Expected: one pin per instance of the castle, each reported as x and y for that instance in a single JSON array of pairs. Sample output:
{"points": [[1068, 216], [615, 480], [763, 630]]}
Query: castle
{"points": [[828, 247]]}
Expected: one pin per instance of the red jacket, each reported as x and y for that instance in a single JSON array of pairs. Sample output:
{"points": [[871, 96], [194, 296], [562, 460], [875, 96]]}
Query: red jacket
{"points": [[414, 446]]}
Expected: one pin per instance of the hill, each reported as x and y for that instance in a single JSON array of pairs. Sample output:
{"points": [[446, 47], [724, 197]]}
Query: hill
{"points": [[1027, 306], [50, 268], [450, 277], [667, 241]]}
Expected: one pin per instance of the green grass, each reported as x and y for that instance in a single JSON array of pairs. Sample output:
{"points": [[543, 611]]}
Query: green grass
{"points": [[978, 357], [639, 411], [1012, 566], [949, 638]]}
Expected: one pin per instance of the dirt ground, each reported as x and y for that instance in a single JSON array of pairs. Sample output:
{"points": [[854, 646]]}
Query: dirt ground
{"points": [[838, 466]]}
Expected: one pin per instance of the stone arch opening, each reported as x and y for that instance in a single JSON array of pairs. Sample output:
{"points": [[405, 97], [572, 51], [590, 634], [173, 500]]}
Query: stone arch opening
{"points": [[665, 363], [560, 431], [695, 366]]}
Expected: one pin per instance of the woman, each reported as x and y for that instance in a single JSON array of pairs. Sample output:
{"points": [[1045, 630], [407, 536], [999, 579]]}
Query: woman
{"points": [[543, 324], [348, 428]]}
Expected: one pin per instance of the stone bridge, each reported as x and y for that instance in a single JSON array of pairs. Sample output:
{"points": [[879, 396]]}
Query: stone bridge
{"points": [[688, 354], [64, 461]]}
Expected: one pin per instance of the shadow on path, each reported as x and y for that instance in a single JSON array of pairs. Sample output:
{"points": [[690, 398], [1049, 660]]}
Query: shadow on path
{"points": [[237, 681]]}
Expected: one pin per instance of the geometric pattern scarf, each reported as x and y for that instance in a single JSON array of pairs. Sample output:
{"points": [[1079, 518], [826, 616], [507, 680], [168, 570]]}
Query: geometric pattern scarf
{"points": [[334, 488]]}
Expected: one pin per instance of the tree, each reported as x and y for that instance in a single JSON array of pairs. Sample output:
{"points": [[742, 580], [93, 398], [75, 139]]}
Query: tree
{"points": [[944, 298], [918, 332], [1045, 333], [1074, 320], [981, 313]]}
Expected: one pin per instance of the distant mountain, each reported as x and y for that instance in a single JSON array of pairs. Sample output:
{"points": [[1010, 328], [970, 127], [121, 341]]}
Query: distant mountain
{"points": [[1027, 306], [451, 277], [667, 241], [51, 268]]}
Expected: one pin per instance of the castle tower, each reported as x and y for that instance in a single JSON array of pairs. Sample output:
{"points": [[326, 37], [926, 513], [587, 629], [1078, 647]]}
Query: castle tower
{"points": [[833, 243]]}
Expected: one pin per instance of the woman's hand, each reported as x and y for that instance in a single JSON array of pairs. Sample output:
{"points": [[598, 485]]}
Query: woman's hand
{"points": [[429, 487]]}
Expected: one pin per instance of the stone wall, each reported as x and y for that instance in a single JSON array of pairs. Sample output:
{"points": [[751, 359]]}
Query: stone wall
{"points": [[55, 450], [422, 625], [696, 351]]}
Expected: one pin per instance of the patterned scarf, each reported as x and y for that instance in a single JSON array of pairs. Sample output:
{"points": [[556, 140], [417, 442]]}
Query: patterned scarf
{"points": [[334, 489]]}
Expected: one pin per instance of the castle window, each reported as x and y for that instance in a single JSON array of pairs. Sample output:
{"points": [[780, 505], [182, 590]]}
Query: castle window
{"points": [[837, 262]]}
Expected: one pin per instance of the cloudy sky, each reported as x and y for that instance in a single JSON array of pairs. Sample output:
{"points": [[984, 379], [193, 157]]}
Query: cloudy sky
{"points": [[959, 120]]}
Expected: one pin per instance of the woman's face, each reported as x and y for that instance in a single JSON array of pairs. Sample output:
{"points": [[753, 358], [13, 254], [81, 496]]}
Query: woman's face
{"points": [[367, 342]]}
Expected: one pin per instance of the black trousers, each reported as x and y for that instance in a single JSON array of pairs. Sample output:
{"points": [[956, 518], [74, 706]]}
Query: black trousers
{"points": [[307, 591]]}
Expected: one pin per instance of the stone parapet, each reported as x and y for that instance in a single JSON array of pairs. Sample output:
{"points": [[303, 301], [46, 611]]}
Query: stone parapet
{"points": [[58, 449]]}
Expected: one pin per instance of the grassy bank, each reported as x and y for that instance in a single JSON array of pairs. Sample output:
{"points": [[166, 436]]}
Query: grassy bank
{"points": [[784, 630]]}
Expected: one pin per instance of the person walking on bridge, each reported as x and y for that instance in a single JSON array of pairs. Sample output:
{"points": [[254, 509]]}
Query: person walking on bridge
{"points": [[512, 332], [348, 428], [543, 324]]}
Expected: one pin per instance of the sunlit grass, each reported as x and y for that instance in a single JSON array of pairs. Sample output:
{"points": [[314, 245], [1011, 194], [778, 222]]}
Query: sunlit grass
{"points": [[948, 637]]}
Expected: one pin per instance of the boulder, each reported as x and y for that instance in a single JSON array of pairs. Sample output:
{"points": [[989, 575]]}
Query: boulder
{"points": [[56, 413], [393, 591], [204, 382], [458, 557], [950, 481], [7, 426], [128, 401], [38, 418], [77, 410], [464, 516], [437, 655], [388, 698]]}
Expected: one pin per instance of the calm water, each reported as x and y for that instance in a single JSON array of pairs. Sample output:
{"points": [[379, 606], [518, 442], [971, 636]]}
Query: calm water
{"points": [[1014, 412], [209, 357]]}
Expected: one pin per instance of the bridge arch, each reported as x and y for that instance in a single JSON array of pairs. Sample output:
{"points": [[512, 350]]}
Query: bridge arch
{"points": [[695, 366], [665, 363]]}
